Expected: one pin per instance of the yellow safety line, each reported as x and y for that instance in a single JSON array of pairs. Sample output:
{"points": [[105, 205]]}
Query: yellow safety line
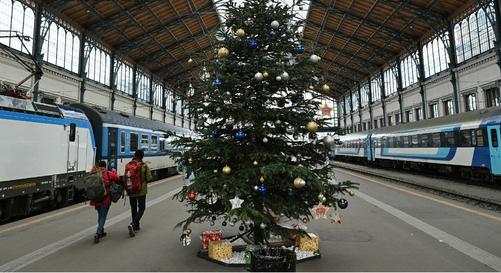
{"points": [[65, 211], [486, 215]]}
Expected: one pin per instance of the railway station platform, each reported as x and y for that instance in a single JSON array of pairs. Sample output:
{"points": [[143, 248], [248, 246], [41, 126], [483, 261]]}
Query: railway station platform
{"points": [[387, 227]]}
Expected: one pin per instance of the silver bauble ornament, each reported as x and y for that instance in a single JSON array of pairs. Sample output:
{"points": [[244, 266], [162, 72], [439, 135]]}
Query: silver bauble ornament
{"points": [[248, 22], [230, 121], [256, 188], [218, 109], [278, 78], [314, 58], [262, 225], [275, 24], [258, 76], [265, 140], [285, 76], [329, 140], [278, 122], [290, 130]]}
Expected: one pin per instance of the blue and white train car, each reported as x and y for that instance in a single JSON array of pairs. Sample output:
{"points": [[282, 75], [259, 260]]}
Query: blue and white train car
{"points": [[352, 146], [120, 135], [45, 149]]}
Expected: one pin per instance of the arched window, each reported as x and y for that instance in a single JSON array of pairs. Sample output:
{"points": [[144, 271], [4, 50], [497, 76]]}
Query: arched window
{"points": [[29, 25], [61, 46], [17, 25], [75, 61], [459, 43], [5, 18], [466, 39], [474, 35]]}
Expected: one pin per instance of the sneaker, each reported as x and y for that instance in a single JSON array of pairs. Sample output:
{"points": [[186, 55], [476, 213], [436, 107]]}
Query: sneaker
{"points": [[102, 235], [136, 228], [96, 238], [131, 231]]}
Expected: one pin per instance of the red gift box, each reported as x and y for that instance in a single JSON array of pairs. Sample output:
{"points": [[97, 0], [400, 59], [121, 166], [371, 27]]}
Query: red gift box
{"points": [[207, 236]]}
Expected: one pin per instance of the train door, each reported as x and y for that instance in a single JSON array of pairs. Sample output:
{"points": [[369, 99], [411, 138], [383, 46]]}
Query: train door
{"points": [[72, 156], [495, 151], [112, 148], [368, 147]]}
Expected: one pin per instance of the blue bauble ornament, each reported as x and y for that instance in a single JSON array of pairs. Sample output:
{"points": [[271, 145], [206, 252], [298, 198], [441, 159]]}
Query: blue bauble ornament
{"points": [[261, 189], [300, 49], [216, 133], [300, 97], [252, 44], [240, 135], [217, 83]]}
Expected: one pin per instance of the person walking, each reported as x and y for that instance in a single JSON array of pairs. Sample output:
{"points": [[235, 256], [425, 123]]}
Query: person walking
{"points": [[102, 207], [137, 194]]}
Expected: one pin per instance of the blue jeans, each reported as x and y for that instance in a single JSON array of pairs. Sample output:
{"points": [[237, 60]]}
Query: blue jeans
{"points": [[102, 212], [137, 206]]}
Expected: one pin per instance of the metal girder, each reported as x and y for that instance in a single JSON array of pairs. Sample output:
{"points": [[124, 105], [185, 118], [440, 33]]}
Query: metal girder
{"points": [[413, 8], [350, 55], [371, 47], [152, 39], [404, 37], [160, 28], [115, 19]]}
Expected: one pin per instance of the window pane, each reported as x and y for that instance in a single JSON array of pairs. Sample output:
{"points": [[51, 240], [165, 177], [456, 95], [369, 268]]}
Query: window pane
{"points": [[133, 142], [17, 24], [122, 142], [144, 142], [494, 138], [154, 143]]}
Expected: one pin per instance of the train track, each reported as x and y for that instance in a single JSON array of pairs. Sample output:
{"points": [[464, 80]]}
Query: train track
{"points": [[473, 199]]}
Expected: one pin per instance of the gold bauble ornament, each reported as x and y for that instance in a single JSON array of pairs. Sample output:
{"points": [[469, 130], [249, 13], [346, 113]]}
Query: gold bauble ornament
{"points": [[326, 88], [311, 87], [321, 196], [312, 127], [226, 169], [223, 52], [266, 74], [190, 61], [299, 183], [190, 160], [261, 179], [240, 33], [255, 163]]}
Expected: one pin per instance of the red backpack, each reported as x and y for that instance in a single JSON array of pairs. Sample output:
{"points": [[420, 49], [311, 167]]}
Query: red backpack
{"points": [[133, 177]]}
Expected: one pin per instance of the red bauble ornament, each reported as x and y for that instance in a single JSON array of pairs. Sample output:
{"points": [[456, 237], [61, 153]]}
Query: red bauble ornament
{"points": [[292, 235], [192, 196]]}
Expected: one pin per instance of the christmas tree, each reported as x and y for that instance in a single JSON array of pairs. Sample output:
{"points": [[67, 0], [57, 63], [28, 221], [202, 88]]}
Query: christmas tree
{"points": [[257, 158]]}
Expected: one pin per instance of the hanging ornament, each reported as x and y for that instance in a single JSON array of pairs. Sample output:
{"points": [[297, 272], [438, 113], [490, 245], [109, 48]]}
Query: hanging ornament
{"points": [[275, 24], [326, 110], [223, 52], [249, 22], [320, 211], [312, 127], [262, 225], [285, 76], [314, 58], [218, 109], [215, 171], [224, 223], [261, 189], [342, 203], [190, 61], [216, 133], [299, 49], [217, 83], [192, 196], [252, 44], [240, 33], [299, 183], [185, 239], [320, 196], [230, 121], [278, 122], [265, 74], [211, 198], [232, 224], [236, 203], [226, 169], [265, 140], [191, 177], [350, 192], [241, 228], [255, 163], [240, 135], [258, 76], [261, 179], [256, 188], [212, 223], [305, 220], [300, 97], [278, 78], [328, 140], [326, 88], [290, 130], [311, 87], [334, 218]]}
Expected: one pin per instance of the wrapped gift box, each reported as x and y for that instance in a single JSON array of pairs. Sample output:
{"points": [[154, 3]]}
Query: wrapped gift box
{"points": [[306, 243], [248, 252], [220, 250], [208, 236]]}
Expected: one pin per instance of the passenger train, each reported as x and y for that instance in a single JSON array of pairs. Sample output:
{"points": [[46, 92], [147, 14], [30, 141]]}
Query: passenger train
{"points": [[47, 148], [466, 144]]}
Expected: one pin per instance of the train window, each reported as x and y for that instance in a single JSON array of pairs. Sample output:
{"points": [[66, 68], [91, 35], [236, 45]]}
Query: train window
{"points": [[435, 140], [144, 142], [73, 132], [391, 142], [133, 142], [480, 137], [494, 137], [154, 143], [122, 142], [405, 142], [414, 141], [424, 140], [449, 139], [465, 138]]}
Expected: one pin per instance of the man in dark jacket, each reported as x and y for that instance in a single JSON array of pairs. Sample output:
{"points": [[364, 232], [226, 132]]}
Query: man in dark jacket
{"points": [[138, 200]]}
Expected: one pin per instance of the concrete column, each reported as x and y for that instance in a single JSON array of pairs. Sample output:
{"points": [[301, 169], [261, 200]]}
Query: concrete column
{"points": [[383, 98], [399, 91], [370, 106], [421, 82], [452, 67]]}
